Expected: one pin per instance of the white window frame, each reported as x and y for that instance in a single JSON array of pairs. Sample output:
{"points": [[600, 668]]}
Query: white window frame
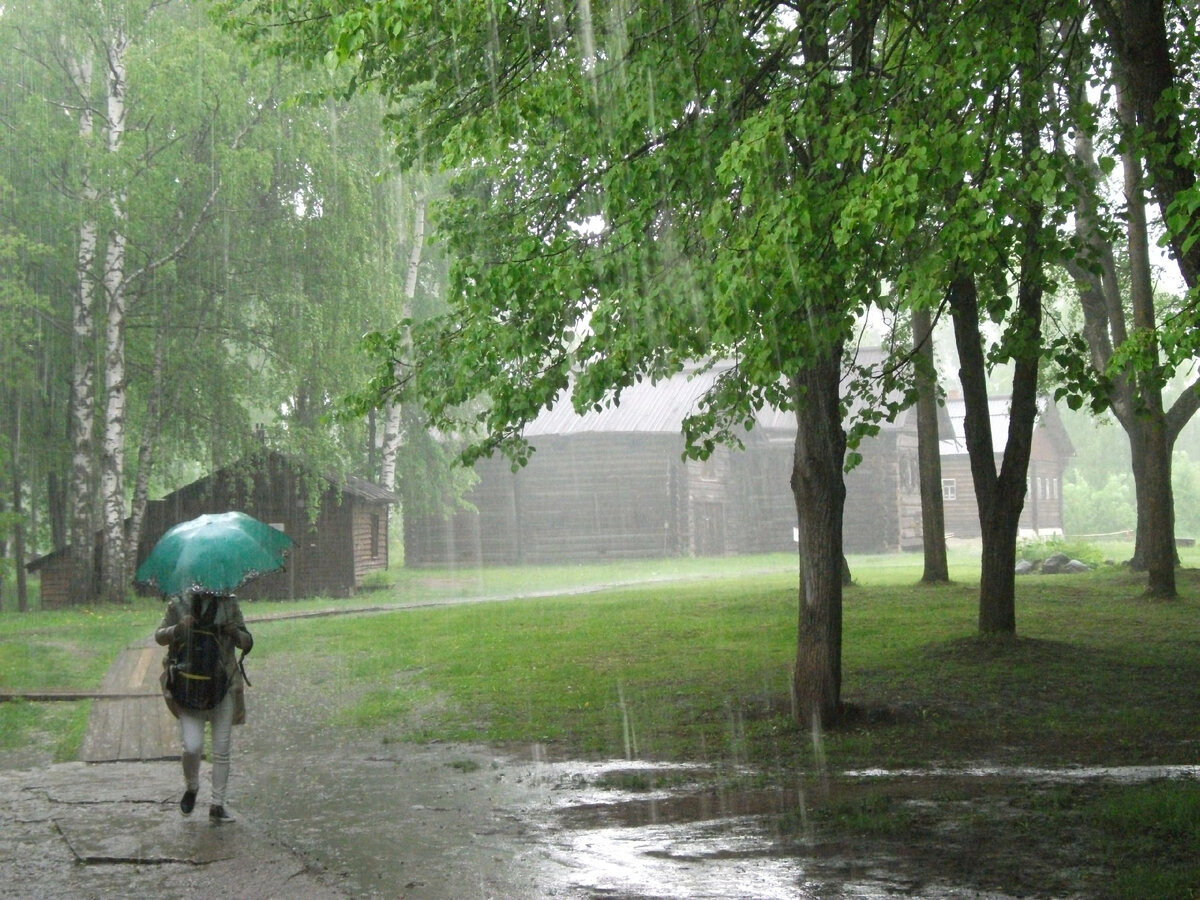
{"points": [[949, 490]]}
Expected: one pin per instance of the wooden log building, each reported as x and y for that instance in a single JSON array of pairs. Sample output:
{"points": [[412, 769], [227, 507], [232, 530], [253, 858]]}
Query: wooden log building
{"points": [[337, 542], [1049, 456], [613, 484]]}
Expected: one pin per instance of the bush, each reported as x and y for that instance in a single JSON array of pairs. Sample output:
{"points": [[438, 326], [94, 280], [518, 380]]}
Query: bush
{"points": [[1035, 550], [377, 581]]}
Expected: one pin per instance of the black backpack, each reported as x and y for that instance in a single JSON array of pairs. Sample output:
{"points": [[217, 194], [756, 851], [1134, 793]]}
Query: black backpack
{"points": [[195, 675]]}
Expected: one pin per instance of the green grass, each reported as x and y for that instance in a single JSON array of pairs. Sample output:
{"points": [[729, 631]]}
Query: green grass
{"points": [[1151, 833], [683, 671]]}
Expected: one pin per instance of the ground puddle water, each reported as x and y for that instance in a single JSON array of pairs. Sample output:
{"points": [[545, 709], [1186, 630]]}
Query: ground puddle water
{"points": [[693, 840]]}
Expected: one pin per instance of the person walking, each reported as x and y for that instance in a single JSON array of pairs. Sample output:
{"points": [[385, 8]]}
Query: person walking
{"points": [[194, 625]]}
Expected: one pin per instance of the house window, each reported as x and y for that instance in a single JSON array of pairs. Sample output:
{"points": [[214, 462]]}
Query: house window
{"points": [[949, 490], [375, 537]]}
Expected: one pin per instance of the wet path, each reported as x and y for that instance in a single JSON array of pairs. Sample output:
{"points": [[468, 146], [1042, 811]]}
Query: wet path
{"points": [[80, 830]]}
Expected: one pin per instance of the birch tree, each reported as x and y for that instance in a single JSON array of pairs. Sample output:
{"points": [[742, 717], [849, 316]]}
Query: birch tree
{"points": [[79, 63], [393, 432], [114, 45]]}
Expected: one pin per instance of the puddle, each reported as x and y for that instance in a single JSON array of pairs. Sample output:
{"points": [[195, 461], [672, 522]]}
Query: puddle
{"points": [[426, 822], [454, 820], [144, 835], [1121, 774], [715, 859]]}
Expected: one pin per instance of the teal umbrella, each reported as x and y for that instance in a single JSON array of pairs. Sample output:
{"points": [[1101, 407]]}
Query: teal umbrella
{"points": [[214, 553]]}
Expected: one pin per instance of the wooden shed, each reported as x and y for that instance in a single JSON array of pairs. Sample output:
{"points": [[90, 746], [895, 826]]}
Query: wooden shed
{"points": [[333, 552], [347, 538], [1050, 453], [613, 484]]}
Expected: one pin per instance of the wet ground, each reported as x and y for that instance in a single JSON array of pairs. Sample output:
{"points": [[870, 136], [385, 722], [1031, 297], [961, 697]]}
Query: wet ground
{"points": [[324, 813], [324, 819]]}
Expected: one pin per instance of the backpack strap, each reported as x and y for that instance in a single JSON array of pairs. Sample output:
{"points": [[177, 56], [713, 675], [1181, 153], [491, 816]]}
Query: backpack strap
{"points": [[209, 618]]}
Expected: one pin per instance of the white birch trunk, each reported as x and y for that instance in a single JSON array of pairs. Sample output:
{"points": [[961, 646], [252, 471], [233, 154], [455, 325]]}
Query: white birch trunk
{"points": [[154, 405], [393, 433], [83, 376], [112, 479]]}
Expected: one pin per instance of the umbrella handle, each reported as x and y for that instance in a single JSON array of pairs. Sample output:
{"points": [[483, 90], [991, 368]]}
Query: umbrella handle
{"points": [[242, 667]]}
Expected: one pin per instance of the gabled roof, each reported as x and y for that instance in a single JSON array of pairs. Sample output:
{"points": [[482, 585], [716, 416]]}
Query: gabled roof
{"points": [[352, 485], [646, 408], [366, 490], [660, 408], [998, 412]]}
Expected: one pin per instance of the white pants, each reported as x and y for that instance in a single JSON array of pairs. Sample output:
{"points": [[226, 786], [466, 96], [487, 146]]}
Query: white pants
{"points": [[191, 731]]}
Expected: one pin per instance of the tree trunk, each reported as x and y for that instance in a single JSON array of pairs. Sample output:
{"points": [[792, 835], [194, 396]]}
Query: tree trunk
{"points": [[1135, 397], [393, 432], [56, 509], [1155, 543], [1000, 494], [1137, 31], [113, 581], [18, 517], [929, 459], [819, 490], [81, 588], [147, 444]]}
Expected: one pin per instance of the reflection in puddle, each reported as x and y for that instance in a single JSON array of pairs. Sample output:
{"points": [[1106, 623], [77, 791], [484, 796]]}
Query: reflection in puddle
{"points": [[722, 859], [1123, 774], [691, 840]]}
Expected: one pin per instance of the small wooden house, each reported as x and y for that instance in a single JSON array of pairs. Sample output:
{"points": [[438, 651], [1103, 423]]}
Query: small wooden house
{"points": [[613, 484], [1049, 456], [337, 541], [343, 539], [54, 573]]}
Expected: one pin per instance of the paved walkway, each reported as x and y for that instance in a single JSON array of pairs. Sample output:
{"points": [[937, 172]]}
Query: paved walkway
{"points": [[76, 830], [129, 720]]}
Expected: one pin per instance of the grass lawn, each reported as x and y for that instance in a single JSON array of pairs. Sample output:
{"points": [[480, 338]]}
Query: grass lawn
{"points": [[699, 669]]}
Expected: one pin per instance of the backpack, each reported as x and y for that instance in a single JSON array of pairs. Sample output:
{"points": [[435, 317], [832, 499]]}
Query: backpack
{"points": [[196, 676]]}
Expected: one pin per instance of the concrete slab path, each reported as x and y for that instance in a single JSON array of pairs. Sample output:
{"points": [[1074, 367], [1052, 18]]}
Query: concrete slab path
{"points": [[79, 830]]}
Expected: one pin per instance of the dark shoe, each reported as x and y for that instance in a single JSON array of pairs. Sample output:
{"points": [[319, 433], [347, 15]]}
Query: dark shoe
{"points": [[219, 815], [187, 802]]}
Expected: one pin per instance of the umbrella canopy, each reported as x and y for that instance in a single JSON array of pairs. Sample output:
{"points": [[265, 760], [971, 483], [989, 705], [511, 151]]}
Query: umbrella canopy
{"points": [[214, 553]]}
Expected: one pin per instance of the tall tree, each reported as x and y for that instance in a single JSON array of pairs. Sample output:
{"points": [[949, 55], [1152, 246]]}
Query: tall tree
{"points": [[1154, 46], [113, 583], [638, 188], [1133, 347], [20, 307], [933, 517], [997, 202], [393, 431], [80, 63]]}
